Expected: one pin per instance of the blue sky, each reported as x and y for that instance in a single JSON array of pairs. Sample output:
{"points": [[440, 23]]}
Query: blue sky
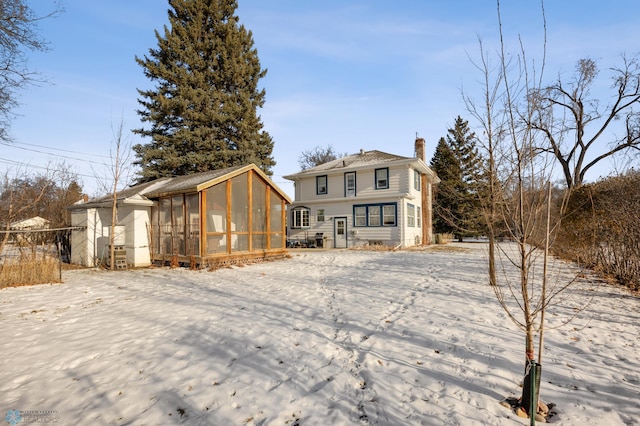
{"points": [[365, 74]]}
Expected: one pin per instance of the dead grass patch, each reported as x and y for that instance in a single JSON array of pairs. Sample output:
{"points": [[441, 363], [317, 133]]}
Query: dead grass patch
{"points": [[29, 269]]}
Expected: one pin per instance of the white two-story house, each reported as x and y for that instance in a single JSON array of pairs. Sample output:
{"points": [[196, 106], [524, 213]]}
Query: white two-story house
{"points": [[371, 197]]}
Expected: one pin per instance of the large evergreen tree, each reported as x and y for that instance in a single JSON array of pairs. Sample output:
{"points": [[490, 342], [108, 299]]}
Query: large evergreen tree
{"points": [[456, 160], [203, 109], [446, 200]]}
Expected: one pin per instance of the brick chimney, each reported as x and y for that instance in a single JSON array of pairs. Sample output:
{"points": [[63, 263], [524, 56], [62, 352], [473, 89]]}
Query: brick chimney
{"points": [[426, 196], [419, 149]]}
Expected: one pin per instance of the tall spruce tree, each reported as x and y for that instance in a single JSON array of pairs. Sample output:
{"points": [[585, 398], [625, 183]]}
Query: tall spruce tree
{"points": [[203, 109], [446, 199], [457, 162]]}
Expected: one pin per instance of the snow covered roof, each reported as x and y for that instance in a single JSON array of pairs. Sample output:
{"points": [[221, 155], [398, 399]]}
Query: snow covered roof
{"points": [[35, 222]]}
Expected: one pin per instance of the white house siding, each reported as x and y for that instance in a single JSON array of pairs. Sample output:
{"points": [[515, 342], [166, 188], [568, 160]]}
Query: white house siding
{"points": [[401, 190], [412, 234], [399, 182], [356, 236]]}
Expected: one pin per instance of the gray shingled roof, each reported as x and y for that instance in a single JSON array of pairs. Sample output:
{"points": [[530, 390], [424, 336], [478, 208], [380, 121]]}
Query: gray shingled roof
{"points": [[162, 186], [363, 158], [187, 183]]}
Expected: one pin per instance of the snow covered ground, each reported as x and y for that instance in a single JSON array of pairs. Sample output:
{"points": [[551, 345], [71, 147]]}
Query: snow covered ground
{"points": [[323, 338]]}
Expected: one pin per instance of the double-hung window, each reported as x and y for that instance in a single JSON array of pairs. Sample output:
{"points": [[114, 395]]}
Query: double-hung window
{"points": [[350, 184], [382, 178], [418, 217], [416, 180], [389, 215], [300, 218], [411, 215], [360, 215], [374, 215], [321, 185]]}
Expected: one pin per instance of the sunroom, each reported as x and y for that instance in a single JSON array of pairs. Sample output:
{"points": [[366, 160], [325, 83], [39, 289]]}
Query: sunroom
{"points": [[221, 216], [230, 215]]}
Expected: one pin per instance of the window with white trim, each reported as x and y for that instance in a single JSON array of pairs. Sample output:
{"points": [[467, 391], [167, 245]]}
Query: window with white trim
{"points": [[320, 215], [418, 217], [300, 218], [416, 180], [411, 215]]}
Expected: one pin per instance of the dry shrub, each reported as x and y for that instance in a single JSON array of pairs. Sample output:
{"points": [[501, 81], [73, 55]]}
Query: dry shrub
{"points": [[447, 249], [373, 247], [29, 269], [602, 228]]}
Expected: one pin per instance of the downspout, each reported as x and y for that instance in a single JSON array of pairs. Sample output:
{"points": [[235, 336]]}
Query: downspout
{"points": [[425, 188]]}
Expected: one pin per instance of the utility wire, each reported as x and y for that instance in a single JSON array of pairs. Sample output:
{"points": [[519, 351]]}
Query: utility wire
{"points": [[56, 154], [56, 149]]}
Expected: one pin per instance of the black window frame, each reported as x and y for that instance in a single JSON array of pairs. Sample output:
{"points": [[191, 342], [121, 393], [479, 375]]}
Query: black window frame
{"points": [[326, 185], [377, 180], [381, 214], [355, 184]]}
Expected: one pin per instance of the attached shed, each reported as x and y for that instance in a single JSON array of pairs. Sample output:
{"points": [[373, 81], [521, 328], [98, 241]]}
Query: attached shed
{"points": [[220, 216]]}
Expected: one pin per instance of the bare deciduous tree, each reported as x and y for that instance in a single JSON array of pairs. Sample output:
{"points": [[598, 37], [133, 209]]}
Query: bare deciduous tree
{"points": [[18, 34], [118, 175], [22, 196], [318, 155], [518, 204], [575, 124]]}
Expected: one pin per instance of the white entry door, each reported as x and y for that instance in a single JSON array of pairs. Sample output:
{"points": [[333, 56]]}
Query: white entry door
{"points": [[340, 232]]}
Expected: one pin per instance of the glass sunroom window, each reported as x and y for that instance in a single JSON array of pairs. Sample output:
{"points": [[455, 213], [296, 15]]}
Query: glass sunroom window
{"points": [[258, 214], [216, 210]]}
